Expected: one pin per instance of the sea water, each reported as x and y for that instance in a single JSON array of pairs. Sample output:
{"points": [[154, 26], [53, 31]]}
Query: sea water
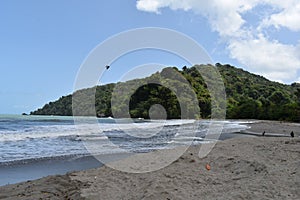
{"points": [[24, 138]]}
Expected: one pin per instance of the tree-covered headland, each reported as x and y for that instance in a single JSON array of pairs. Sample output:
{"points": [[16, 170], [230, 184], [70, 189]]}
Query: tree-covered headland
{"points": [[248, 96]]}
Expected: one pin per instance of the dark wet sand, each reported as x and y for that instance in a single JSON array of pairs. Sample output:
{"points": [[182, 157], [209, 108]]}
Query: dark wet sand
{"points": [[18, 172]]}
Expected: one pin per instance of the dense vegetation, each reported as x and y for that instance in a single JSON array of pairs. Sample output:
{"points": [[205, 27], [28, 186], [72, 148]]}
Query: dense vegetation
{"points": [[248, 96]]}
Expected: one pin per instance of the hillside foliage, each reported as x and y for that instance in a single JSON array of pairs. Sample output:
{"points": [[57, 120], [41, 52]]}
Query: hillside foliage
{"points": [[248, 96]]}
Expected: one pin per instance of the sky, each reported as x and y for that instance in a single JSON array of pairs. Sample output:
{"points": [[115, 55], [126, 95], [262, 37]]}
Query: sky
{"points": [[44, 43]]}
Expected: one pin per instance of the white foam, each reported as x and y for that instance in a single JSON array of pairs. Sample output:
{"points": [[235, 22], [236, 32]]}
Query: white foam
{"points": [[55, 131]]}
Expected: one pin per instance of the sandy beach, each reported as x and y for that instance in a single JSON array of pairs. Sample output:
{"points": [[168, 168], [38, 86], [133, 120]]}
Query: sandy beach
{"points": [[237, 168]]}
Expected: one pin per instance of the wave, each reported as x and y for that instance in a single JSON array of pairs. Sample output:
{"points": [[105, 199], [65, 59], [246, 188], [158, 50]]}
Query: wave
{"points": [[27, 132], [43, 140], [140, 130]]}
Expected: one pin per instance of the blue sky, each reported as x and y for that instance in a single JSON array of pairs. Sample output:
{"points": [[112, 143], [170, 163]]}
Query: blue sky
{"points": [[43, 43]]}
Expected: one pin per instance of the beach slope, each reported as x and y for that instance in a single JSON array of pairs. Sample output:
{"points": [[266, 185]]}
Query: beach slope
{"points": [[238, 168]]}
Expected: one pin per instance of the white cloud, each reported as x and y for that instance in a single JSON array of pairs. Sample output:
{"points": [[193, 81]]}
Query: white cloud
{"points": [[288, 14], [247, 44], [149, 5], [223, 14], [271, 59]]}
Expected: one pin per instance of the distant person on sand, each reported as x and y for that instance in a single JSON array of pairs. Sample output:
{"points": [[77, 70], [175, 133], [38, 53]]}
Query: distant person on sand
{"points": [[263, 134], [292, 134]]}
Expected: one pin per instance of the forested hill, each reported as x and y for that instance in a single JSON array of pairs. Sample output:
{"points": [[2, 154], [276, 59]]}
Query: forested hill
{"points": [[249, 96]]}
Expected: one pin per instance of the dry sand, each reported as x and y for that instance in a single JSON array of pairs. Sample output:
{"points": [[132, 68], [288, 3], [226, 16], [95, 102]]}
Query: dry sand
{"points": [[241, 168], [274, 127]]}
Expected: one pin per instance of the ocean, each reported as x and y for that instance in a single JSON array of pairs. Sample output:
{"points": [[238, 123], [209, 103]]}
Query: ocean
{"points": [[29, 138]]}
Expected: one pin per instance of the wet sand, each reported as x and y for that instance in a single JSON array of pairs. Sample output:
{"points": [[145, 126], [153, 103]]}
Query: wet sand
{"points": [[34, 169]]}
